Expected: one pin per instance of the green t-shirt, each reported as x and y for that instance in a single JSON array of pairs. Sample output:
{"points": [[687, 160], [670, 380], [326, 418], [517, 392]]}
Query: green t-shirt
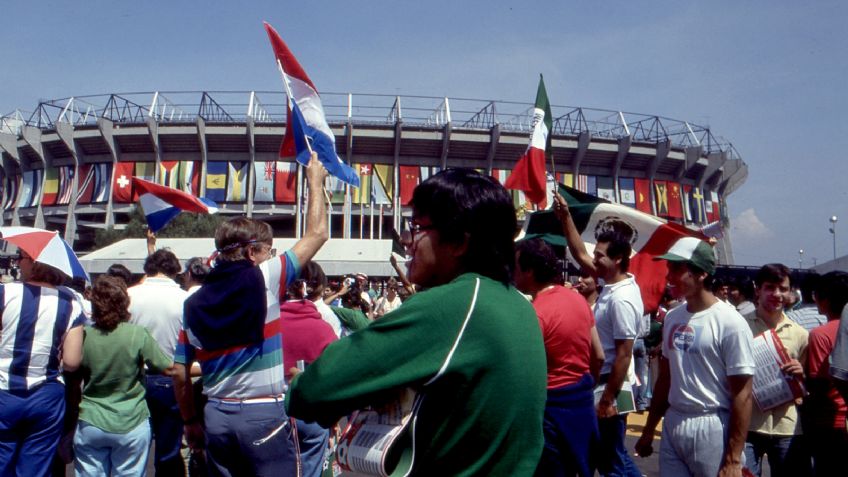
{"points": [[473, 351], [353, 320], [113, 366]]}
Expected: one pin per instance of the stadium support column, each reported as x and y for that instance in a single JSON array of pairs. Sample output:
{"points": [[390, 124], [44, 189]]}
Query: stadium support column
{"points": [[9, 143], [201, 139], [692, 154], [396, 168], [623, 149], [251, 171], [712, 174], [494, 139], [446, 137], [346, 209], [153, 130], [66, 134], [583, 141], [663, 148], [32, 136], [106, 127]]}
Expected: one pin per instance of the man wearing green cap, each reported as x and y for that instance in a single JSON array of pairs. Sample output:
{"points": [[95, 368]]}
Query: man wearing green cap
{"points": [[704, 384]]}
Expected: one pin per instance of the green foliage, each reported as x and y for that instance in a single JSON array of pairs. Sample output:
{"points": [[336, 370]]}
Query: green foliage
{"points": [[185, 225]]}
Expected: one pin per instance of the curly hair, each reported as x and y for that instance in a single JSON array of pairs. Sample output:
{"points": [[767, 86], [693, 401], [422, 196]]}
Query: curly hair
{"points": [[109, 302]]}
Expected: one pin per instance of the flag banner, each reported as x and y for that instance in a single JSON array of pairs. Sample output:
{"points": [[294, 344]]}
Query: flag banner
{"points": [[650, 236], [85, 186], [122, 186], [410, 177], [566, 179], [188, 177], [688, 216], [675, 202], [285, 182], [627, 191], [102, 183], [51, 186], [216, 181], [582, 183], [145, 170], [500, 175], [606, 189], [237, 181], [529, 173], [12, 189], [382, 184], [713, 207], [169, 174], [362, 194], [713, 229], [643, 195], [264, 181], [66, 185], [336, 189], [661, 194], [592, 185], [25, 198], [696, 205], [161, 203], [37, 180], [305, 116]]}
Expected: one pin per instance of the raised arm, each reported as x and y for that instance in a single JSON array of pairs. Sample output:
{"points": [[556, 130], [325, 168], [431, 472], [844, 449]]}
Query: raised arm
{"points": [[316, 215], [572, 236]]}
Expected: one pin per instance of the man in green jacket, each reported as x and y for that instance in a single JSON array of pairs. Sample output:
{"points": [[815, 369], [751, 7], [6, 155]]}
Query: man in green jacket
{"points": [[469, 346]]}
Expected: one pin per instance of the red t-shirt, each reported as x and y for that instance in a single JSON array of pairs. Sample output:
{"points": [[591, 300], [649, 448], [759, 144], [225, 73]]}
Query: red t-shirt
{"points": [[566, 322], [829, 411]]}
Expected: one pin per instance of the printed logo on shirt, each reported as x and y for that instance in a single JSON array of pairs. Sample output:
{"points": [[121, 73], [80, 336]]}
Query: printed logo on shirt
{"points": [[682, 337]]}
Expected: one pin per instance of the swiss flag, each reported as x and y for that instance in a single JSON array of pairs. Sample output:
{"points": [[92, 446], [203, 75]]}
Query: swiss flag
{"points": [[122, 190]]}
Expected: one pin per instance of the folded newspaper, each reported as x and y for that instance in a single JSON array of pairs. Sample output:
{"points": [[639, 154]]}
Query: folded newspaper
{"points": [[624, 402], [378, 441], [771, 387]]}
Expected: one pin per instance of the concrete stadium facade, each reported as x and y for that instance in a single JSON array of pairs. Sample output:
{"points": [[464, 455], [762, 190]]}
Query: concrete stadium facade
{"points": [[246, 128]]}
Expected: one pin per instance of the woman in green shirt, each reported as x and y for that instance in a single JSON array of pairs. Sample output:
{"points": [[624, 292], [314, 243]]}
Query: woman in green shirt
{"points": [[113, 434]]}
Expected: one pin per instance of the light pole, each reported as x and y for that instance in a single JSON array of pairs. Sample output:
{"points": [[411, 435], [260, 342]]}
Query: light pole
{"points": [[833, 220], [801, 258]]}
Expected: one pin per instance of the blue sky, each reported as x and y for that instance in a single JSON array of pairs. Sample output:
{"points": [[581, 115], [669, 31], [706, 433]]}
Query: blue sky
{"points": [[768, 76]]}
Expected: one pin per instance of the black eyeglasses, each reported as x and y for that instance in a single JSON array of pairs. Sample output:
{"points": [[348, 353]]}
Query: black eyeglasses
{"points": [[415, 228]]}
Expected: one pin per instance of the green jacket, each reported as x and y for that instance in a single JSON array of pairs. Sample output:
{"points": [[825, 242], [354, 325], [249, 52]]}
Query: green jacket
{"points": [[473, 349]]}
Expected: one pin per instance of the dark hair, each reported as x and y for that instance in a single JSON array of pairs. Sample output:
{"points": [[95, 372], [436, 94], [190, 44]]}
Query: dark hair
{"points": [[313, 276], [47, 274], [162, 261], [833, 287], [353, 300], [619, 246], [233, 237], [744, 285], [537, 256], [119, 271], [772, 273], [710, 281], [463, 203], [109, 302], [808, 287], [198, 269]]}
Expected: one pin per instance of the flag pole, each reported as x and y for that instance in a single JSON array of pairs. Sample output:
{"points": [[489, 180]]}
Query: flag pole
{"points": [[289, 101]]}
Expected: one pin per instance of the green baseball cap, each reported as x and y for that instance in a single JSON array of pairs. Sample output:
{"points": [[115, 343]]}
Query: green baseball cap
{"points": [[692, 250]]}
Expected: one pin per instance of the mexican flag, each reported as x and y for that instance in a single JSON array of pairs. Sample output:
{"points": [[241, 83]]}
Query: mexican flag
{"points": [[529, 173], [651, 236]]}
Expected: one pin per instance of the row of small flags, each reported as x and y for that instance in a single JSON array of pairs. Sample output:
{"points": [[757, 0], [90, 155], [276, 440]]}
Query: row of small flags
{"points": [[275, 182]]}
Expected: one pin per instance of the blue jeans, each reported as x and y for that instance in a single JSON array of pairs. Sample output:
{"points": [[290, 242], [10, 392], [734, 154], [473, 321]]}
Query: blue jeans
{"points": [[613, 458], [787, 455], [571, 431], [232, 432], [313, 441], [166, 424], [101, 453], [30, 427], [640, 366]]}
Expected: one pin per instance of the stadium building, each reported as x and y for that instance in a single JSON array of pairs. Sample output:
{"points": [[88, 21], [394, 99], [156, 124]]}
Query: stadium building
{"points": [[68, 164]]}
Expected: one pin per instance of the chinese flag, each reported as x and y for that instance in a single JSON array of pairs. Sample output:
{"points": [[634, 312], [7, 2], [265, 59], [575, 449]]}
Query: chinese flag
{"points": [[675, 207], [409, 178]]}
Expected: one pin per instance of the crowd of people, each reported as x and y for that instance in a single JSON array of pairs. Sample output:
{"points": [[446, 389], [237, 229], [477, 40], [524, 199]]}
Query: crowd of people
{"points": [[249, 366]]}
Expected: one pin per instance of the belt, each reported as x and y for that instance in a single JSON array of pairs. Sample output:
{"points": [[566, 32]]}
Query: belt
{"points": [[251, 400]]}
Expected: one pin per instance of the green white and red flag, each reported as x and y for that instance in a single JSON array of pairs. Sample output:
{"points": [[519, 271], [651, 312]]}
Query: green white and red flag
{"points": [[651, 236], [529, 172]]}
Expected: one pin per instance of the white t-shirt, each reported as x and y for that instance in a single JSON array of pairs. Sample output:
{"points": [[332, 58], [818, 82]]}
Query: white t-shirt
{"points": [[618, 316], [329, 316], [703, 349], [384, 305], [157, 304]]}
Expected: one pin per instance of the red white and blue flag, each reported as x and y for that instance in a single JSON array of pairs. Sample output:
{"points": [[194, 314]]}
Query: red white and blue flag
{"points": [[161, 203], [305, 120]]}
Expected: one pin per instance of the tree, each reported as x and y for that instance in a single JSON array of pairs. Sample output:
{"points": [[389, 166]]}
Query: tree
{"points": [[185, 225]]}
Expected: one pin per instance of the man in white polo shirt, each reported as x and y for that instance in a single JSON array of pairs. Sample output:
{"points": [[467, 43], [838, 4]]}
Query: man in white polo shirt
{"points": [[706, 370]]}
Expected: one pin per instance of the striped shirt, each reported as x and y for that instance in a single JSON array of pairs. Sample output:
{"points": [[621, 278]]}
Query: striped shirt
{"points": [[807, 316], [251, 370], [35, 321]]}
